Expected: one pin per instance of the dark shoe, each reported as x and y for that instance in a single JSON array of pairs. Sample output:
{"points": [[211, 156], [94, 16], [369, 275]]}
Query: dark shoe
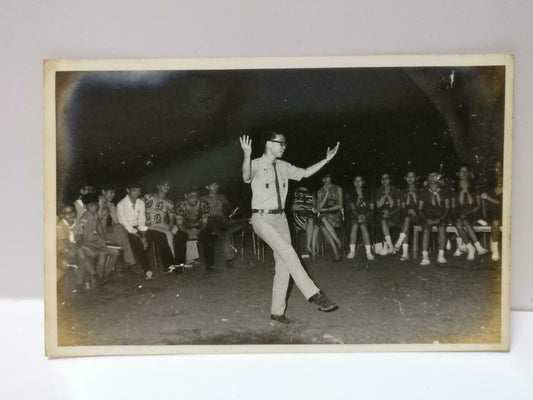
{"points": [[323, 302], [229, 264], [105, 280], [282, 319], [136, 269]]}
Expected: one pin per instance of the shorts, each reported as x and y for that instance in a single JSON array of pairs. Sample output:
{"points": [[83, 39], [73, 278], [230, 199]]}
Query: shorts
{"points": [[465, 210], [433, 214], [394, 220]]}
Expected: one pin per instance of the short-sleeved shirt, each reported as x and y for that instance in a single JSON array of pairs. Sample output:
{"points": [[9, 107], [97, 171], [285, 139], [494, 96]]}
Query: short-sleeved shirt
{"points": [[107, 212], [219, 206], [305, 201], [391, 200], [192, 215], [359, 203], [92, 231], [434, 200], [410, 197], [158, 210], [263, 181], [66, 234], [464, 198]]}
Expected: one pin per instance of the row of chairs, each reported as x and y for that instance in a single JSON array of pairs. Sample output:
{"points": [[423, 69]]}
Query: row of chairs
{"points": [[258, 245]]}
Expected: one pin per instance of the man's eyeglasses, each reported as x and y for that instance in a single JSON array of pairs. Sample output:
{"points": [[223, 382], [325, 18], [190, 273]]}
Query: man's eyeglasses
{"points": [[282, 143]]}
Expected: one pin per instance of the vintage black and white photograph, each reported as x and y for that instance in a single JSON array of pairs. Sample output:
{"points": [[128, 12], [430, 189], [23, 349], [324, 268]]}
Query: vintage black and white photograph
{"points": [[235, 205]]}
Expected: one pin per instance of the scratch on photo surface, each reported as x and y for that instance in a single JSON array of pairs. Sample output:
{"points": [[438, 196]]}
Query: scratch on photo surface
{"points": [[400, 304]]}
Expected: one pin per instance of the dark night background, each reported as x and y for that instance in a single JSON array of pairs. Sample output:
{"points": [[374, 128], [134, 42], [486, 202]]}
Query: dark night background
{"points": [[118, 127]]}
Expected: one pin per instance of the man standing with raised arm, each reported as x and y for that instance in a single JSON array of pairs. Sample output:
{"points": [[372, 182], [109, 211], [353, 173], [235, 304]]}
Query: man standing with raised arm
{"points": [[269, 178]]}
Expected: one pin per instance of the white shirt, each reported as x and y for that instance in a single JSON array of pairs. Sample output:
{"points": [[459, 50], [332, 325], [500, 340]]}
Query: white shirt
{"points": [[263, 181], [130, 215], [80, 209]]}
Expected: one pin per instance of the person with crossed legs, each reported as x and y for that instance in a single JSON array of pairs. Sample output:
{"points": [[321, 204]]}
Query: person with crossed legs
{"points": [[269, 178]]}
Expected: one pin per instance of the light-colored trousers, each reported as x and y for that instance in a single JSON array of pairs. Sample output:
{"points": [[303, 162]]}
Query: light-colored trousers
{"points": [[274, 230]]}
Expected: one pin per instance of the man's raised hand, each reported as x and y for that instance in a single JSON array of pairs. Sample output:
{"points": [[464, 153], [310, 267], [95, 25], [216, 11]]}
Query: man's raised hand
{"points": [[330, 153], [246, 144]]}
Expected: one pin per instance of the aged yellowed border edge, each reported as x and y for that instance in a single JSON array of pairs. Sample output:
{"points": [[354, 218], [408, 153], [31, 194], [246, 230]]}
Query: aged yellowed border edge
{"points": [[52, 66]]}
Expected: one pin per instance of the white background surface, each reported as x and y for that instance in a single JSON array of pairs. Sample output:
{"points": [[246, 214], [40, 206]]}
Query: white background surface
{"points": [[31, 31]]}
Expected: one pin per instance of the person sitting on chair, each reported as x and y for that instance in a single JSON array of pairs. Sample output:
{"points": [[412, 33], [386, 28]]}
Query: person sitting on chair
{"points": [[69, 254], [330, 208], [493, 209], [433, 206], [160, 221], [84, 189], [466, 204], [192, 215], [304, 215], [114, 232], [219, 223], [387, 211], [409, 206], [132, 216], [360, 207], [99, 262]]}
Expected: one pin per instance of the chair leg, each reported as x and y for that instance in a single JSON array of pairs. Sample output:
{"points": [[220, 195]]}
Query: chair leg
{"points": [[242, 245], [415, 242], [254, 243]]}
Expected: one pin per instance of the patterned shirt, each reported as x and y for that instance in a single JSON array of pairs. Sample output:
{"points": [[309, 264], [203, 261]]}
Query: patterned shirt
{"points": [[304, 201], [192, 215], [158, 210], [263, 181]]}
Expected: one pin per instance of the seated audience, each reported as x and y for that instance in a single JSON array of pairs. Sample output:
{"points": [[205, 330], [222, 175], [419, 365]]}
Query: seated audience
{"points": [[192, 215], [99, 261], [114, 232], [219, 224], [409, 213], [360, 208], [492, 201], [466, 205], [388, 211], [69, 255], [433, 206], [80, 209], [160, 222], [330, 207], [131, 215], [304, 214]]}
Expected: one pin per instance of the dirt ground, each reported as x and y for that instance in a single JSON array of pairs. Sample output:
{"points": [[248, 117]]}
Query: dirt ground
{"points": [[383, 301]]}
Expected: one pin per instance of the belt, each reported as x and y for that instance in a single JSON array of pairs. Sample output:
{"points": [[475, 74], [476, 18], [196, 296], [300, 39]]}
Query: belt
{"points": [[276, 211]]}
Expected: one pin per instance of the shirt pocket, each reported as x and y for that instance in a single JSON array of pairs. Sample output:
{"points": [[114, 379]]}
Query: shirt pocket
{"points": [[266, 179]]}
